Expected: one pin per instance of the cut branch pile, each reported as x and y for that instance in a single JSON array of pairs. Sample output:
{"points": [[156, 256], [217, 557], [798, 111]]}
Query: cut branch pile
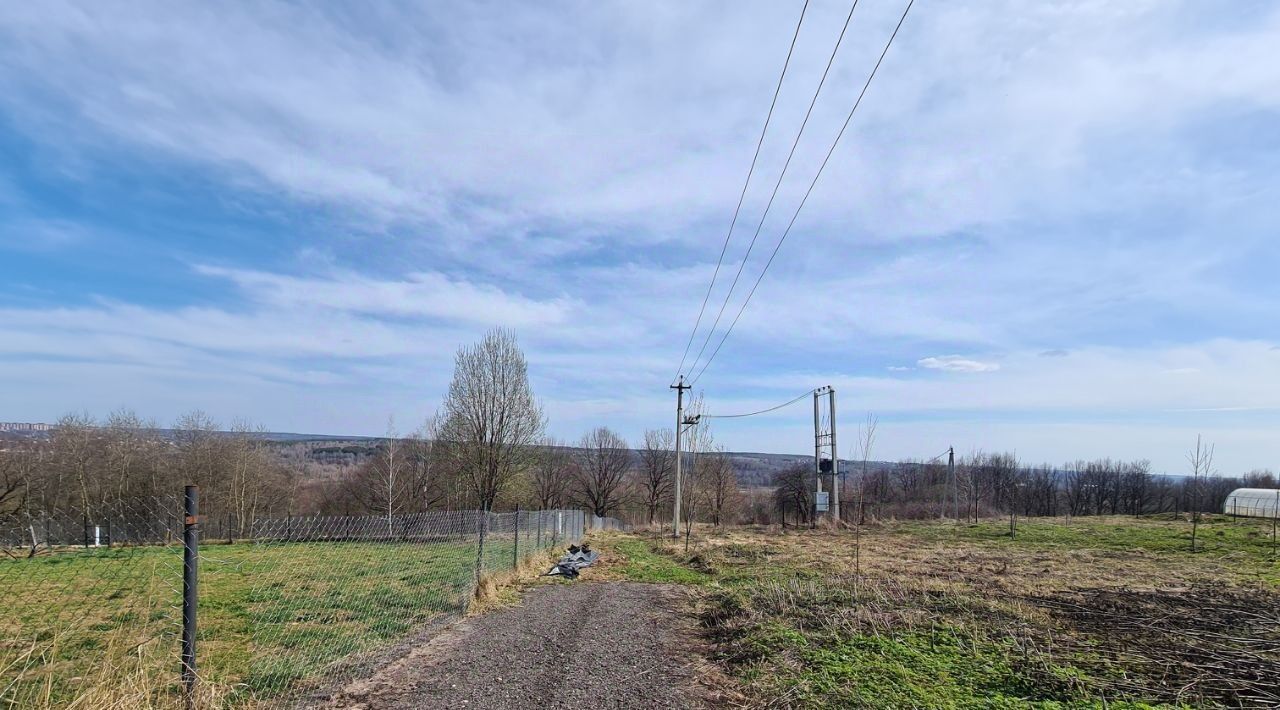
{"points": [[1204, 644]]}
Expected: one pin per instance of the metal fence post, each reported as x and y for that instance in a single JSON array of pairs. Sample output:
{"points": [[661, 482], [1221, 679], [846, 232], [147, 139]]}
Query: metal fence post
{"points": [[190, 552], [484, 523], [515, 549]]}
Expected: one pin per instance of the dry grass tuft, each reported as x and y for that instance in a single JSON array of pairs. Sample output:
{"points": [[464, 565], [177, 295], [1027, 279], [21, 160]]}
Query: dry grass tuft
{"points": [[503, 588]]}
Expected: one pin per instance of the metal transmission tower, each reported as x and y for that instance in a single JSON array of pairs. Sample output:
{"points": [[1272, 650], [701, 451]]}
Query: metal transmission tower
{"points": [[679, 387], [824, 437]]}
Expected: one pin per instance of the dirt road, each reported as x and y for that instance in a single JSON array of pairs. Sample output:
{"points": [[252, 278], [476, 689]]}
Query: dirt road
{"points": [[575, 645]]}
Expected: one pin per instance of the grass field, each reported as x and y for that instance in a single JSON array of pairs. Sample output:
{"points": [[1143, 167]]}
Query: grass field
{"points": [[1098, 612], [101, 627]]}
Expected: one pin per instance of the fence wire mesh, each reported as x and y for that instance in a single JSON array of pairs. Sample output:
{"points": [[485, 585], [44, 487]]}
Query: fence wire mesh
{"points": [[90, 604], [288, 608]]}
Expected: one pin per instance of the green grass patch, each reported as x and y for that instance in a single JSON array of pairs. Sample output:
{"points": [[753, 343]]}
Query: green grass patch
{"points": [[271, 616], [641, 563], [1217, 534]]}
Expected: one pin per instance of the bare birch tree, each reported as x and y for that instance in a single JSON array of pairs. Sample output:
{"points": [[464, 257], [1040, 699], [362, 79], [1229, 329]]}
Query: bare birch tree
{"points": [[387, 467], [247, 475]]}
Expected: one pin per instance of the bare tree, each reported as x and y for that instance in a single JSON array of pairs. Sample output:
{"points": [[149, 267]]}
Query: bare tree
{"points": [[15, 476], [657, 470], [718, 479], [552, 474], [866, 440], [247, 475], [130, 469], [198, 454], [1136, 487], [603, 460], [693, 488], [793, 493], [1259, 478], [1201, 460], [492, 422], [427, 482], [76, 457], [388, 468]]}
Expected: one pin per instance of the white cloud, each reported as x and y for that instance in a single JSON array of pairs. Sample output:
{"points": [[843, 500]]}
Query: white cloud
{"points": [[417, 294], [1095, 381], [956, 363], [642, 120], [1180, 371]]}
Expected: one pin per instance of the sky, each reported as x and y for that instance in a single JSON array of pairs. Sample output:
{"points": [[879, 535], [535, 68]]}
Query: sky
{"points": [[1050, 228]]}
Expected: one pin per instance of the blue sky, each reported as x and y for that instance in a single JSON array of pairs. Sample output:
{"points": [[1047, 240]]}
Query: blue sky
{"points": [[1051, 227]]}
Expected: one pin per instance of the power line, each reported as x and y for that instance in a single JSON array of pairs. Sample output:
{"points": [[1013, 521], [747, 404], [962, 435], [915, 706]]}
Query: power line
{"points": [[935, 458], [762, 411], [777, 184], [808, 192], [745, 184]]}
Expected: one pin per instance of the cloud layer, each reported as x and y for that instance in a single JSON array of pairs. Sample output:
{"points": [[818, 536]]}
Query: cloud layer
{"points": [[1063, 210]]}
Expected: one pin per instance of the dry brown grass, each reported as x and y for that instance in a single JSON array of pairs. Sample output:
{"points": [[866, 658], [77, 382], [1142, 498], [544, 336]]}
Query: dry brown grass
{"points": [[503, 588], [955, 565], [1036, 605]]}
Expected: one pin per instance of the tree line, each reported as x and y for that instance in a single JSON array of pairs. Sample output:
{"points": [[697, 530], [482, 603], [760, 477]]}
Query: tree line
{"points": [[992, 484], [485, 448]]}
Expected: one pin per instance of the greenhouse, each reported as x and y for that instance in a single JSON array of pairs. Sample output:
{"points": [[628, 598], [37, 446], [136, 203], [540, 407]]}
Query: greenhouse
{"points": [[1253, 502]]}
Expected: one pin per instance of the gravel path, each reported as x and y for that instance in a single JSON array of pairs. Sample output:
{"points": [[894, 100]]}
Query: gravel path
{"points": [[584, 644]]}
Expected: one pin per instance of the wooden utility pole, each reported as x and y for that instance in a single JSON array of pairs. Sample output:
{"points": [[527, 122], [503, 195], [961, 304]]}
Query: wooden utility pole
{"points": [[955, 485], [679, 387]]}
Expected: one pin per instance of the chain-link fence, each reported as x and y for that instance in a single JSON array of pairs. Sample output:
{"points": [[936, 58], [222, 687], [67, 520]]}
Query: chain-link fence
{"points": [[332, 597], [91, 603], [598, 523]]}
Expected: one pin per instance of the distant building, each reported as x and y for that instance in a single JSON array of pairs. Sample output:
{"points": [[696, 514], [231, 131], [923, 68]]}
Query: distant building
{"points": [[24, 427]]}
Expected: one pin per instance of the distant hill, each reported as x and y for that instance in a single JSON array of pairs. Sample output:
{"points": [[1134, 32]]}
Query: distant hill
{"points": [[328, 453], [753, 468]]}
